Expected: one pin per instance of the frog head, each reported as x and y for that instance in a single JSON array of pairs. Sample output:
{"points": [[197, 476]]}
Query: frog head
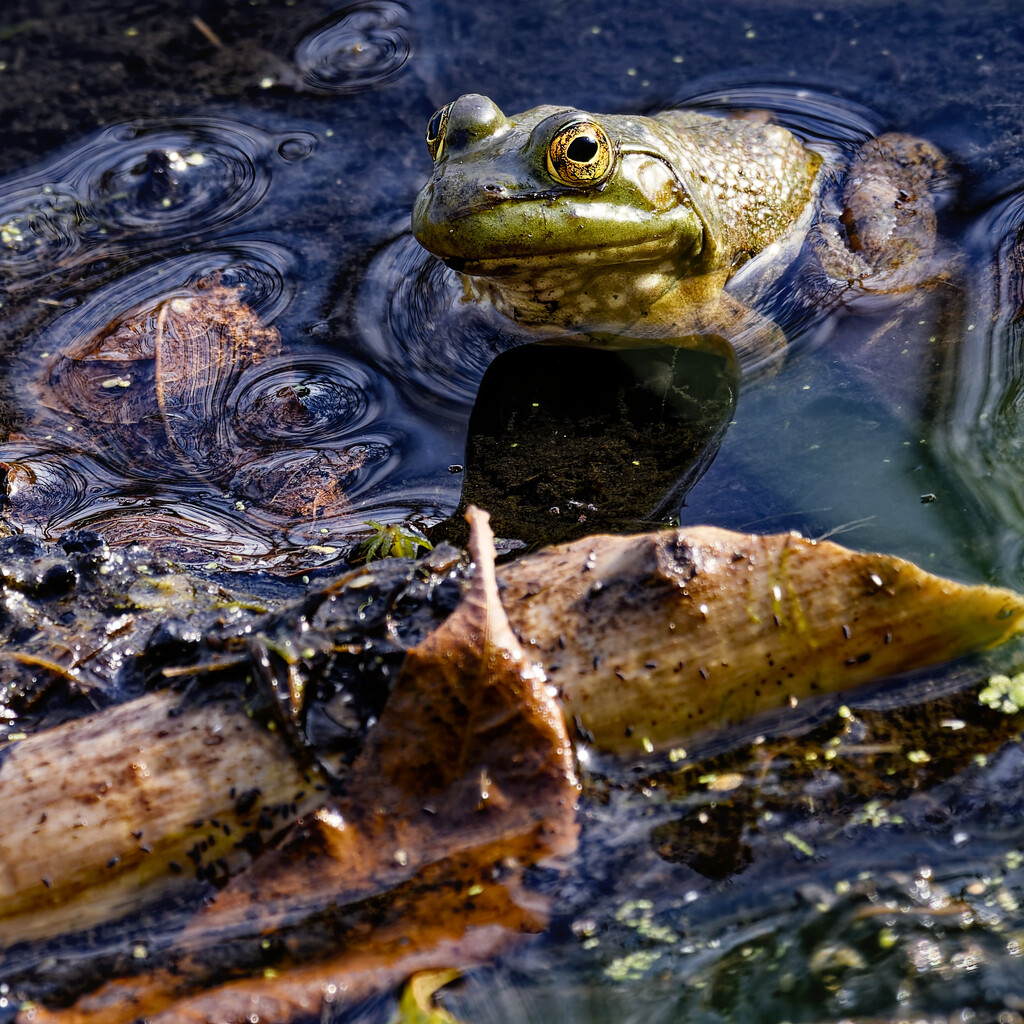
{"points": [[556, 207]]}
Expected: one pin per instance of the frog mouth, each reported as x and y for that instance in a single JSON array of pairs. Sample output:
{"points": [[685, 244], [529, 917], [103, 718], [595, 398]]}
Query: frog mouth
{"points": [[509, 247], [503, 231], [528, 260]]}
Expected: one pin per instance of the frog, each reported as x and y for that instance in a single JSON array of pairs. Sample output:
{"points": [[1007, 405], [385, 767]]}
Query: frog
{"points": [[670, 227]]}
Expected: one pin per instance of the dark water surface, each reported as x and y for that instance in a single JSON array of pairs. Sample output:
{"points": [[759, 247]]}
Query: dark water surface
{"points": [[278, 146]]}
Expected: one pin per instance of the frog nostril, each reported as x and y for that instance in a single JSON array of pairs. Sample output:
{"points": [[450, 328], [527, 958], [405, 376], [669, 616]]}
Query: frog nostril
{"points": [[494, 190]]}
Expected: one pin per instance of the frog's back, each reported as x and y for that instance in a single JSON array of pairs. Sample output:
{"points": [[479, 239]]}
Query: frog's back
{"points": [[754, 177]]}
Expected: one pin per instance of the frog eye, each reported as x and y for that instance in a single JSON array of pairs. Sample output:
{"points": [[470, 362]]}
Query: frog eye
{"points": [[580, 154], [435, 130]]}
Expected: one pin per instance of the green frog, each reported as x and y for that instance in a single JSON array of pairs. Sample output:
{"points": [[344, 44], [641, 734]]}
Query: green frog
{"points": [[671, 227]]}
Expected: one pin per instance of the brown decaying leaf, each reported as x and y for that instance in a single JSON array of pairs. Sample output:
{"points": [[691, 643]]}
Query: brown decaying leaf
{"points": [[659, 637], [203, 342], [159, 377], [158, 403], [653, 637], [467, 777]]}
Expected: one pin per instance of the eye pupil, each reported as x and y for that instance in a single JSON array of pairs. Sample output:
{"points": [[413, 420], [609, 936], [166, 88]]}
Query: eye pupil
{"points": [[580, 154], [583, 149]]}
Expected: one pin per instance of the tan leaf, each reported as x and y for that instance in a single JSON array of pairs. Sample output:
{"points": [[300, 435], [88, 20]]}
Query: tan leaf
{"points": [[656, 637]]}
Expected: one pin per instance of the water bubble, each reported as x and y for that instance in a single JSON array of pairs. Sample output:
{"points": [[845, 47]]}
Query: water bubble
{"points": [[298, 146], [363, 45]]}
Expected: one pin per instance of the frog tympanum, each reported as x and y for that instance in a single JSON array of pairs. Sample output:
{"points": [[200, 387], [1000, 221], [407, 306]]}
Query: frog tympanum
{"points": [[667, 227]]}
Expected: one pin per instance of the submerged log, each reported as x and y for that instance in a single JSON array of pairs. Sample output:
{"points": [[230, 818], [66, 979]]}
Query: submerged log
{"points": [[648, 639]]}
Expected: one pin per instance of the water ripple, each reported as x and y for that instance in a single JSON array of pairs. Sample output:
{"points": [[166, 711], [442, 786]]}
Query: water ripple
{"points": [[809, 113], [415, 323], [356, 49], [39, 227], [172, 179], [144, 184], [288, 400], [182, 423], [981, 430]]}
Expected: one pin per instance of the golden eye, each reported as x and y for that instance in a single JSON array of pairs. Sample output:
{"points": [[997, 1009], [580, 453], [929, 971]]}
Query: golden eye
{"points": [[580, 154], [435, 131]]}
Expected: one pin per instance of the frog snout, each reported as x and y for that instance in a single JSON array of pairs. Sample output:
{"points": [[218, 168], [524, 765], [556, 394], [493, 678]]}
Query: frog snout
{"points": [[454, 196]]}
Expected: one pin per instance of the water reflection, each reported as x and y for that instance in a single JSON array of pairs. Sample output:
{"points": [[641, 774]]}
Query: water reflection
{"points": [[566, 441], [414, 323], [981, 429], [358, 48]]}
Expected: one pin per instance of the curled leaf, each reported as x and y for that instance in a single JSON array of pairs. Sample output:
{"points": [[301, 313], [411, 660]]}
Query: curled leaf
{"points": [[417, 1004]]}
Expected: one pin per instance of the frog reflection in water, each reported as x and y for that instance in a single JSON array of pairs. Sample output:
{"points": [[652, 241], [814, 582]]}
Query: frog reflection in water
{"points": [[667, 227]]}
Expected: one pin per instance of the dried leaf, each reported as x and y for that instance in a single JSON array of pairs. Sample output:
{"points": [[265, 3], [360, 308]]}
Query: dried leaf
{"points": [[660, 636], [467, 777]]}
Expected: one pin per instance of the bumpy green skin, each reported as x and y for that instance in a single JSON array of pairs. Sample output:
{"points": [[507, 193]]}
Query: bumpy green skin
{"points": [[647, 250], [689, 198]]}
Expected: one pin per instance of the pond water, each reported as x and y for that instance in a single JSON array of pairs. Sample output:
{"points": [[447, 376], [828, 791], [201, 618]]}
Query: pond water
{"points": [[278, 147]]}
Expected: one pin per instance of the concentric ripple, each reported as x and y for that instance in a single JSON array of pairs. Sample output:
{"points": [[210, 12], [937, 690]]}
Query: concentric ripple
{"points": [[307, 483], [176, 179], [39, 228], [53, 490], [356, 49], [150, 183], [182, 424], [286, 401], [262, 270], [416, 325]]}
